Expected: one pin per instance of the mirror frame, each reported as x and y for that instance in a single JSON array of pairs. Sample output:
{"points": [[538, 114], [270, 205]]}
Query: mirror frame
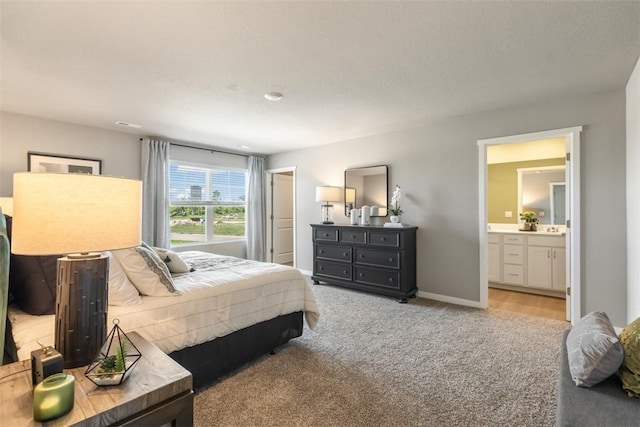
{"points": [[383, 209]]}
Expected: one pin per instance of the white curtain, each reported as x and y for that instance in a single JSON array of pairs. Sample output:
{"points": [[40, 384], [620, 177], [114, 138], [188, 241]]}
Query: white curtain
{"points": [[256, 210], [155, 193]]}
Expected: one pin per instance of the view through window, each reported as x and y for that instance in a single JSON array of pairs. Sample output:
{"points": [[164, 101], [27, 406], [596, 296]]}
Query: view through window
{"points": [[206, 203]]}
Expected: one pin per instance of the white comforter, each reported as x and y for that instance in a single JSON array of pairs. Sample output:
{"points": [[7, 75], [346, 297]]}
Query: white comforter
{"points": [[223, 295]]}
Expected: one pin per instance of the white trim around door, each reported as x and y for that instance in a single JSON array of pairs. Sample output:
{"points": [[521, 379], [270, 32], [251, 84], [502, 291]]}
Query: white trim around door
{"points": [[572, 138]]}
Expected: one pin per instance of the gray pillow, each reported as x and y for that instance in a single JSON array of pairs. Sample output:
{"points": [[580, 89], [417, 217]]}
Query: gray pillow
{"points": [[593, 349]]}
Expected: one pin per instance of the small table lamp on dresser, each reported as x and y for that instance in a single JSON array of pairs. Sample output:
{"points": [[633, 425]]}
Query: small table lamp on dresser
{"points": [[78, 215]]}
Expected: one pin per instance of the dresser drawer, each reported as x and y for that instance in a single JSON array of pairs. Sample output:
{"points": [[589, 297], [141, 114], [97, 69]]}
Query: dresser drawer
{"points": [[513, 274], [513, 254], [513, 239], [333, 270], [384, 278], [391, 240], [325, 234], [377, 258], [337, 253], [355, 236]]}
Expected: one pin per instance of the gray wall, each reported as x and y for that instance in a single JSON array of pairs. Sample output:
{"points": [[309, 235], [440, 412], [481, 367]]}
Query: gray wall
{"points": [[633, 193], [119, 151], [437, 167]]}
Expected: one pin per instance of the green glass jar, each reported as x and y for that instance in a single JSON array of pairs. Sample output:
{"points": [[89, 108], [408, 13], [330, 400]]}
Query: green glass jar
{"points": [[53, 397]]}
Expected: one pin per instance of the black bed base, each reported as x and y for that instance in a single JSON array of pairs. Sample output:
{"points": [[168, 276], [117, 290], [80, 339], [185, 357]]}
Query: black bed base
{"points": [[210, 360]]}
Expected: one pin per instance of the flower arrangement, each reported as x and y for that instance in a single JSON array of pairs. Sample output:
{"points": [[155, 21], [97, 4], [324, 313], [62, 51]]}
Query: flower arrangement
{"points": [[529, 216], [395, 202]]}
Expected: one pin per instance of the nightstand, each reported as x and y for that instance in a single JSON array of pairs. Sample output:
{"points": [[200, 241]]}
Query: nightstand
{"points": [[157, 392]]}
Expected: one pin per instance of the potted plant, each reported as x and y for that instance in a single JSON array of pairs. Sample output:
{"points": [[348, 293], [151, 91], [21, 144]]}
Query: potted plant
{"points": [[395, 209], [530, 220]]}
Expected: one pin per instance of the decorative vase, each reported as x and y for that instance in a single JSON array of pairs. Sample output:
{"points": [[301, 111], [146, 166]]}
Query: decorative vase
{"points": [[394, 218]]}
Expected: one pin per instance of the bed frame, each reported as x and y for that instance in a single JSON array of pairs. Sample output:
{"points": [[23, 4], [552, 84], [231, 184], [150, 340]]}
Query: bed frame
{"points": [[207, 361]]}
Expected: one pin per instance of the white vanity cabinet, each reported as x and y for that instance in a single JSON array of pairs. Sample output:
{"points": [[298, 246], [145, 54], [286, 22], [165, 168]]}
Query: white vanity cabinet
{"points": [[527, 262], [494, 270], [546, 262]]}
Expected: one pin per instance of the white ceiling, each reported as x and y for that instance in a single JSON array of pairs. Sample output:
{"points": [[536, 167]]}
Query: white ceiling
{"points": [[197, 71]]}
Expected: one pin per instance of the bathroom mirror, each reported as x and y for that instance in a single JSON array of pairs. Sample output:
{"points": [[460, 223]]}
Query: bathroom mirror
{"points": [[366, 186], [542, 190]]}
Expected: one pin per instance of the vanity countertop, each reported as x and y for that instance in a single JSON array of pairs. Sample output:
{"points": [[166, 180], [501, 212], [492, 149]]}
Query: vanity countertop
{"points": [[529, 233]]}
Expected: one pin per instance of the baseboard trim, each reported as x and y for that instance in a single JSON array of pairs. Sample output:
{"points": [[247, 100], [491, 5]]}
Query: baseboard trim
{"points": [[450, 300], [305, 272]]}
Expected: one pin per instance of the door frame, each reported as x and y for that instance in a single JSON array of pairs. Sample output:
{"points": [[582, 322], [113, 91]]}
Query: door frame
{"points": [[269, 213], [572, 146]]}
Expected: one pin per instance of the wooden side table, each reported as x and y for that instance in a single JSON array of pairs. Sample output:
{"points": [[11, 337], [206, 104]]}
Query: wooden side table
{"points": [[157, 392]]}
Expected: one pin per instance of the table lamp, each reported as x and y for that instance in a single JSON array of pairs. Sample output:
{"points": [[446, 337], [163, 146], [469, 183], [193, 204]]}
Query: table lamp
{"points": [[78, 215], [327, 194], [349, 199]]}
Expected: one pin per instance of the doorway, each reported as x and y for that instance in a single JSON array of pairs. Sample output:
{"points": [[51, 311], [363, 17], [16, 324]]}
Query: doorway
{"points": [[571, 137], [281, 216]]}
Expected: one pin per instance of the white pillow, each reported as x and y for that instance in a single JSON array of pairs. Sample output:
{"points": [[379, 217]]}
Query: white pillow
{"points": [[146, 271], [173, 260], [121, 290]]}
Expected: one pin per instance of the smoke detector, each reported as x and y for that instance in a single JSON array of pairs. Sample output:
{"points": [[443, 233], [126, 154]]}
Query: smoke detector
{"points": [[273, 96]]}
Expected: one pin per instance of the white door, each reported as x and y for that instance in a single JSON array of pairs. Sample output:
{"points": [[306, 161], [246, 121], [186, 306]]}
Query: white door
{"points": [[282, 219]]}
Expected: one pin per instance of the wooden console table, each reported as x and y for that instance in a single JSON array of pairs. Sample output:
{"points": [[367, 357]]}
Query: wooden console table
{"points": [[157, 392]]}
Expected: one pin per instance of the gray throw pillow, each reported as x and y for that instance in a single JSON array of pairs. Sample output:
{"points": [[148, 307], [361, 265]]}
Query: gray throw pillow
{"points": [[593, 349]]}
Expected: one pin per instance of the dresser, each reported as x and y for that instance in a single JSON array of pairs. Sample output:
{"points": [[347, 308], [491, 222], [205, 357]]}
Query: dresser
{"points": [[370, 258]]}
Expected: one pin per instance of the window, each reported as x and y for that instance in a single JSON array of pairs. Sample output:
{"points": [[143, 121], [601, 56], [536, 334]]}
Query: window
{"points": [[206, 203]]}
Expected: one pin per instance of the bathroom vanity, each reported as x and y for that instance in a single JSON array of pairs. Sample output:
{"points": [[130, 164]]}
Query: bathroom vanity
{"points": [[533, 262]]}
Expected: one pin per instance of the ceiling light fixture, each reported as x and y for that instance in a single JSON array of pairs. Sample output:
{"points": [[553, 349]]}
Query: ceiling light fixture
{"points": [[274, 96], [128, 125], [244, 147]]}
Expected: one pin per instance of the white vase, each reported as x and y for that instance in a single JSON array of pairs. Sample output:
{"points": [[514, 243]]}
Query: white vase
{"points": [[394, 218]]}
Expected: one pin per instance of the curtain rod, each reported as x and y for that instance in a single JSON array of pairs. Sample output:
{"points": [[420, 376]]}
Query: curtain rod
{"points": [[212, 150]]}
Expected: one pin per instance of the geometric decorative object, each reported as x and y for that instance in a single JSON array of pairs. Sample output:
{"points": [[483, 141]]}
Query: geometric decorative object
{"points": [[117, 358], [78, 215], [328, 194]]}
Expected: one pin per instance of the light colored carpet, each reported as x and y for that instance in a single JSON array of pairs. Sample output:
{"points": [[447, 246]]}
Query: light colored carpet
{"points": [[374, 362]]}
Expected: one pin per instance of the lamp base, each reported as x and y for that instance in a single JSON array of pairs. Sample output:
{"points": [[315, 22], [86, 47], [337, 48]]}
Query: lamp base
{"points": [[327, 214], [81, 308]]}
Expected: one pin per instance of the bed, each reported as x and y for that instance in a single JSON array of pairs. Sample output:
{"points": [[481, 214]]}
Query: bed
{"points": [[222, 315]]}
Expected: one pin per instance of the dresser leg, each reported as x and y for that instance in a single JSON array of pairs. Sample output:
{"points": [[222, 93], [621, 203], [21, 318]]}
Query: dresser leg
{"points": [[402, 300], [316, 282]]}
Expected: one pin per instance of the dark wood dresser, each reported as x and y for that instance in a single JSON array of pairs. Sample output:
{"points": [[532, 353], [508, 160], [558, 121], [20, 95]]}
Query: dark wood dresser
{"points": [[371, 258]]}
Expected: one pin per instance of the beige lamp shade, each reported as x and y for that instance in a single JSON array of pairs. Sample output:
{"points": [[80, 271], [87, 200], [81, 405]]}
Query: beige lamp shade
{"points": [[350, 195], [328, 194], [74, 213], [6, 203]]}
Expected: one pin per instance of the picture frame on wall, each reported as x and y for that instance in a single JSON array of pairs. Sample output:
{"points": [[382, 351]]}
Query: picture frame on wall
{"points": [[56, 163]]}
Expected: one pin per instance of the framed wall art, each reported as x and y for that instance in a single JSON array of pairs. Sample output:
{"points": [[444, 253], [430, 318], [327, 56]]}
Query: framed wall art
{"points": [[43, 162]]}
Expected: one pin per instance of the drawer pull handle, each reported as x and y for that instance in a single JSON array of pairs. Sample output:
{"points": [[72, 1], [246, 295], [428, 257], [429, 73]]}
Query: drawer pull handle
{"points": [[361, 274], [361, 256], [321, 251], [345, 272], [345, 254], [390, 259], [320, 268], [383, 239], [326, 234], [390, 279], [513, 274], [513, 254], [353, 236]]}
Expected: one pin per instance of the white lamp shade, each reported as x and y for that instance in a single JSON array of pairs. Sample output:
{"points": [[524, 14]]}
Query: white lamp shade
{"points": [[6, 203], [74, 213], [350, 195], [328, 194]]}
